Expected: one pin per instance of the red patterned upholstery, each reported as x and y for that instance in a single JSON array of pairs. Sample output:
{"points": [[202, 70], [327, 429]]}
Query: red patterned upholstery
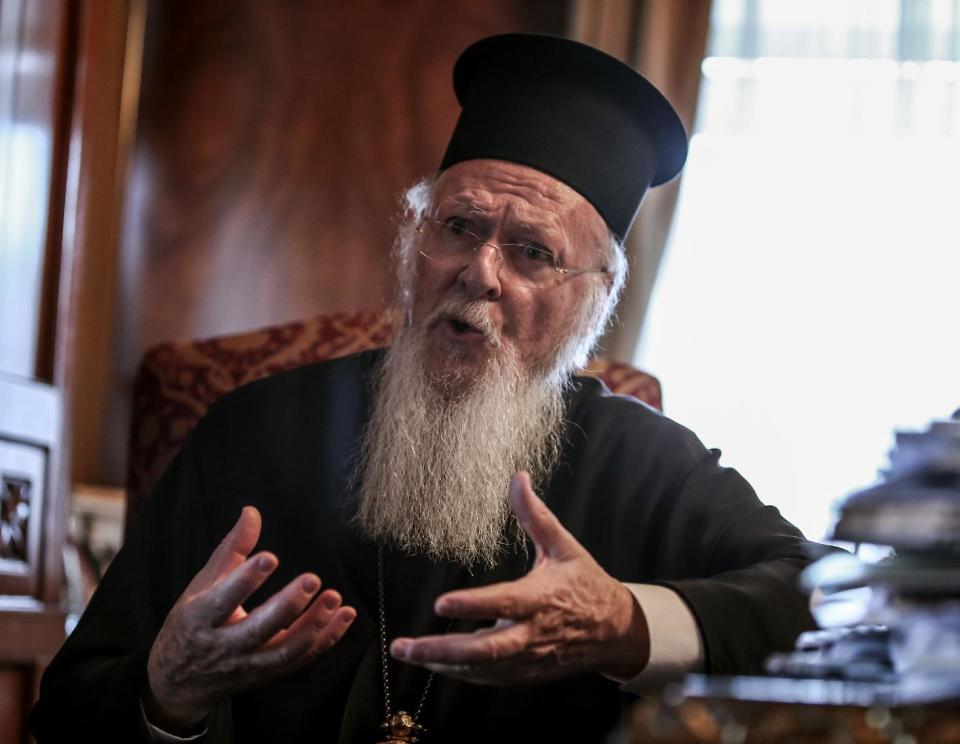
{"points": [[177, 382]]}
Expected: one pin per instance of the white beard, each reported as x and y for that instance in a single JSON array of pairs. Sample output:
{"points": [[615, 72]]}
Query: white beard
{"points": [[435, 468]]}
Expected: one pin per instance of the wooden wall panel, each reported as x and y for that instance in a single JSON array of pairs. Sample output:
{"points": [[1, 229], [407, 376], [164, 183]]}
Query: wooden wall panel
{"points": [[101, 134], [273, 141], [12, 687]]}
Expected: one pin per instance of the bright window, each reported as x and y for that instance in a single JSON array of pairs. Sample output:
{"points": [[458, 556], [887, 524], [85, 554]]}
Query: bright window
{"points": [[809, 301]]}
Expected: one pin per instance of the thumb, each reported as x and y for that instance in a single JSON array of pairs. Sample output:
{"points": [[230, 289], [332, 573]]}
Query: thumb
{"points": [[551, 539]]}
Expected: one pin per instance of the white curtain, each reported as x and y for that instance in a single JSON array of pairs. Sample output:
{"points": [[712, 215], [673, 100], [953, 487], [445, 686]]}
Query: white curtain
{"points": [[807, 305]]}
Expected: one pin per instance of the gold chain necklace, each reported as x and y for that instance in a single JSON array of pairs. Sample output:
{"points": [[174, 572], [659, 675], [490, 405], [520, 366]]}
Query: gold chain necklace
{"points": [[400, 727]]}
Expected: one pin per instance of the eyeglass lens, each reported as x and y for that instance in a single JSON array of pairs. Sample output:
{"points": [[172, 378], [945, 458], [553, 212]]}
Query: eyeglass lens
{"points": [[454, 244]]}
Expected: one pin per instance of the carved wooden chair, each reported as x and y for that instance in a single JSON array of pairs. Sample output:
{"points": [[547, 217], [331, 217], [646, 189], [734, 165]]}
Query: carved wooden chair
{"points": [[177, 381]]}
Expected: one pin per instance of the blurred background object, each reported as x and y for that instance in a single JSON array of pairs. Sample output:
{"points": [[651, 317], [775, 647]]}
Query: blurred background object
{"points": [[885, 665], [807, 293]]}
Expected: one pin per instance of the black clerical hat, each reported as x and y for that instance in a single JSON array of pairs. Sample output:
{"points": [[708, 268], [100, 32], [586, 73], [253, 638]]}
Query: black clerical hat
{"points": [[570, 111]]}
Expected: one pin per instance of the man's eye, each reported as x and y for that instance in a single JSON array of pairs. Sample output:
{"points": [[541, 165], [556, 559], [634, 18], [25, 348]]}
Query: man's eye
{"points": [[458, 226], [536, 253]]}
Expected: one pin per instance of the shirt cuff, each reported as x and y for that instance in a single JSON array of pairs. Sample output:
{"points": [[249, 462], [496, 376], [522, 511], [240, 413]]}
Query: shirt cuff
{"points": [[159, 735], [676, 646]]}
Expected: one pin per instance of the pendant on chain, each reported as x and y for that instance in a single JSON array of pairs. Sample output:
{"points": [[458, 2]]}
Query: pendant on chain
{"points": [[400, 728]]}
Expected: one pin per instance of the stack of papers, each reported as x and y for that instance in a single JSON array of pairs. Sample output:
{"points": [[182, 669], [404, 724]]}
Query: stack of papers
{"points": [[894, 623]]}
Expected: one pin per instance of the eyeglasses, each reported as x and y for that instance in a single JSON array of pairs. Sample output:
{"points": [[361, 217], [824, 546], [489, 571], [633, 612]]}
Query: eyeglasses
{"points": [[453, 243]]}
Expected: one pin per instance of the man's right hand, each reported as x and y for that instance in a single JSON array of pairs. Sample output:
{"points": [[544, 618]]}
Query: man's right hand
{"points": [[209, 647]]}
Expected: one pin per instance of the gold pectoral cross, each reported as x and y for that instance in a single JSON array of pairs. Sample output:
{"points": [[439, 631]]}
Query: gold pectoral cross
{"points": [[401, 729]]}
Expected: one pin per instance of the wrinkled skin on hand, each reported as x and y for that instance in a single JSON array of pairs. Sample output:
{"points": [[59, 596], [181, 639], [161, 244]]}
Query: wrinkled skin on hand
{"points": [[209, 647], [566, 616]]}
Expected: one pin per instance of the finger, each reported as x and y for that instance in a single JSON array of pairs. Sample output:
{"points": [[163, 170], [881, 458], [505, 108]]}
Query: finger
{"points": [[488, 646], [231, 552], [297, 648], [333, 631], [514, 600], [315, 618], [318, 614], [274, 615], [550, 538], [217, 604]]}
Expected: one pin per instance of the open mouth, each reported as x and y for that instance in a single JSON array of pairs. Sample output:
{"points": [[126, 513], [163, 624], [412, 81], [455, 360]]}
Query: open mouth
{"points": [[462, 328]]}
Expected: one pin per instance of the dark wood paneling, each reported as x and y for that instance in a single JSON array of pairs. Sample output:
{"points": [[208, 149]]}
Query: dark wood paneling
{"points": [[103, 119], [12, 685], [53, 25], [31, 632], [273, 141]]}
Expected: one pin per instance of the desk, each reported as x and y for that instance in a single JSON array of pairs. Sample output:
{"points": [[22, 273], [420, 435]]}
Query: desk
{"points": [[699, 721]]}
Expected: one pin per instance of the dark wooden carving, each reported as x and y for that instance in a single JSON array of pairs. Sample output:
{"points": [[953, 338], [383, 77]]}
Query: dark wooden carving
{"points": [[14, 516]]}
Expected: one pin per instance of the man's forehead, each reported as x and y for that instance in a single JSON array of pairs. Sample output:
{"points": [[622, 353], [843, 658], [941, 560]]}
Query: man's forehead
{"points": [[489, 185]]}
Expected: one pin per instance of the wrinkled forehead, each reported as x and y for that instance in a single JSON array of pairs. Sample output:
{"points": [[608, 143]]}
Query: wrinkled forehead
{"points": [[506, 190]]}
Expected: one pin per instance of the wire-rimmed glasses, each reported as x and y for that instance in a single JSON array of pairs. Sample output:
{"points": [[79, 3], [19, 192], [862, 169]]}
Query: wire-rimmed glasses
{"points": [[454, 241]]}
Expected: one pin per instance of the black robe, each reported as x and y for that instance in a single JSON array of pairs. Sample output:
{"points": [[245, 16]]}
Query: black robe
{"points": [[640, 492]]}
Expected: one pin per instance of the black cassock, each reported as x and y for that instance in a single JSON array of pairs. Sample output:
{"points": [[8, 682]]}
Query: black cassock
{"points": [[640, 492]]}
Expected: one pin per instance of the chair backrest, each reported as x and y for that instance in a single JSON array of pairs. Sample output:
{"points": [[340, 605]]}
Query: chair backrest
{"points": [[176, 382]]}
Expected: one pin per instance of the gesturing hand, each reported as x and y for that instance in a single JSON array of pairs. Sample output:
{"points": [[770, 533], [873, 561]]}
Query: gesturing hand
{"points": [[209, 647], [567, 615]]}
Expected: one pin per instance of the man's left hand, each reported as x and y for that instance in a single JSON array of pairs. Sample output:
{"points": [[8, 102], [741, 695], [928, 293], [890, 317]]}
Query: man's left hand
{"points": [[566, 616]]}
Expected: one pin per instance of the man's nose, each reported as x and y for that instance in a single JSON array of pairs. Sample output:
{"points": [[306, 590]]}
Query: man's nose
{"points": [[481, 277]]}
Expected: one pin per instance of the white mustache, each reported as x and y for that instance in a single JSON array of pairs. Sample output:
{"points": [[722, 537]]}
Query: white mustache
{"points": [[475, 313]]}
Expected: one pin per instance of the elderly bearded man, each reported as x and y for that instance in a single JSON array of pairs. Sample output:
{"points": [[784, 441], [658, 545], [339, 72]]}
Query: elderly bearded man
{"points": [[406, 480]]}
